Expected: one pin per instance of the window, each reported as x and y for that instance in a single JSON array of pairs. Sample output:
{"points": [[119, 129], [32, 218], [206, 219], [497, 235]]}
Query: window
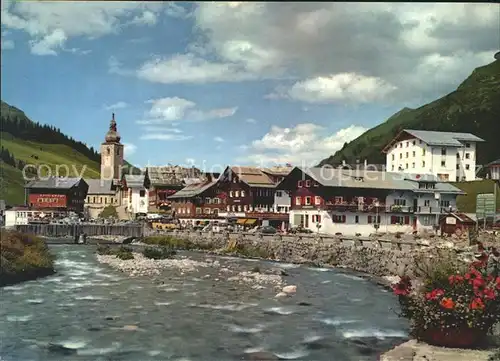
{"points": [[400, 155], [423, 152], [338, 218], [198, 210], [317, 200], [240, 208], [308, 183], [316, 218], [242, 193], [278, 193], [406, 165], [458, 155], [142, 193], [413, 165], [467, 155], [443, 151], [315, 184], [467, 145], [236, 194], [400, 145], [445, 204], [414, 142], [414, 154], [426, 221], [356, 219], [109, 151], [245, 207], [427, 203], [233, 208], [207, 200], [423, 164], [458, 166], [299, 184], [339, 200], [406, 154], [400, 202], [298, 201], [407, 144], [228, 208], [393, 156], [467, 166], [117, 151], [374, 219], [443, 163], [216, 200], [207, 210], [308, 201], [392, 167], [400, 220]]}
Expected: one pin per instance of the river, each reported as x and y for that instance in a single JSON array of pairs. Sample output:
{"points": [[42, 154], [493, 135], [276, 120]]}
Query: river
{"points": [[88, 311]]}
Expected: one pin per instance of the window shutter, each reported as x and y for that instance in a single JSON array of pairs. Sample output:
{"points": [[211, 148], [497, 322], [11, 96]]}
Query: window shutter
{"points": [[393, 219], [369, 219], [407, 219], [343, 219]]}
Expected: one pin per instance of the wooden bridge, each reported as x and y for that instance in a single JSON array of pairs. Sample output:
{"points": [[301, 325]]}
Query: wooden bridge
{"points": [[91, 230]]}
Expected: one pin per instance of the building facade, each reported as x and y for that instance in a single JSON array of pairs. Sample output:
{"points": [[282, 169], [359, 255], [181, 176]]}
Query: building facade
{"points": [[449, 156], [135, 195], [332, 201], [58, 194], [101, 194], [166, 181], [494, 170]]}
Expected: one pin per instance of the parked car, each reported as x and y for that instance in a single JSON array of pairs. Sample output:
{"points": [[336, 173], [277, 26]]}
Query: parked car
{"points": [[300, 230], [268, 230]]}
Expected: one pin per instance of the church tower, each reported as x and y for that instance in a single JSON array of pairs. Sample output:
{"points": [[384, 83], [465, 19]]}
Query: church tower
{"points": [[111, 153]]}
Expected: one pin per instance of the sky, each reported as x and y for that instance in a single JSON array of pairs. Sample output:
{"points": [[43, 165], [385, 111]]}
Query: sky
{"points": [[242, 83]]}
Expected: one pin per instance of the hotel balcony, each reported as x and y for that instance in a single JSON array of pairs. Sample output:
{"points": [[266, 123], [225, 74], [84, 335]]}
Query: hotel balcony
{"points": [[394, 208], [355, 206]]}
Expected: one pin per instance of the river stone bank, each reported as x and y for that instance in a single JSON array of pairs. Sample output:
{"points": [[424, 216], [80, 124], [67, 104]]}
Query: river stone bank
{"points": [[417, 351]]}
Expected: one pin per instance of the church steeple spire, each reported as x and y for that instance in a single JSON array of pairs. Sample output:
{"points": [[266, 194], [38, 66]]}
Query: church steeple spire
{"points": [[112, 135]]}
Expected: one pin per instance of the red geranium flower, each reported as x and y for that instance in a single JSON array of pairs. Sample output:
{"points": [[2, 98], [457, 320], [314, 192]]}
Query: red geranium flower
{"points": [[447, 303], [434, 294], [477, 304], [497, 281], [455, 279], [473, 275], [489, 294]]}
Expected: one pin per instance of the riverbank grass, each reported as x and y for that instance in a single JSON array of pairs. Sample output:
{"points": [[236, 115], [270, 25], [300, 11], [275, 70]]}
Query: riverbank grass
{"points": [[123, 253], [23, 257]]}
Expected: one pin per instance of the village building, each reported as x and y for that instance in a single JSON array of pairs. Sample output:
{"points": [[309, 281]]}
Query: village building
{"points": [[456, 223], [250, 196], [166, 181], [494, 170], [199, 202], [282, 200], [327, 200], [101, 194], [26, 215], [449, 156], [135, 194]]}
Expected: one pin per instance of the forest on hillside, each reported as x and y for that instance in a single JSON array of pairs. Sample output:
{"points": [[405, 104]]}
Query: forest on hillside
{"points": [[16, 123]]}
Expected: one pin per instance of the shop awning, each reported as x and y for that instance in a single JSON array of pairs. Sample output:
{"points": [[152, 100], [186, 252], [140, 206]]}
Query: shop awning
{"points": [[241, 221], [249, 222]]}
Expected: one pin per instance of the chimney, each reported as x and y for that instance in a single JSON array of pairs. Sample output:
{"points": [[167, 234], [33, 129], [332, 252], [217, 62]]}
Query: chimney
{"points": [[366, 163]]}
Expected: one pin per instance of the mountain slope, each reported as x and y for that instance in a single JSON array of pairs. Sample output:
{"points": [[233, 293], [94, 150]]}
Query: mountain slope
{"points": [[31, 143], [473, 108]]}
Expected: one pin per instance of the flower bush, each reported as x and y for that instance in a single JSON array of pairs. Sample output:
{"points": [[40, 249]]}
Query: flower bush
{"points": [[453, 296]]}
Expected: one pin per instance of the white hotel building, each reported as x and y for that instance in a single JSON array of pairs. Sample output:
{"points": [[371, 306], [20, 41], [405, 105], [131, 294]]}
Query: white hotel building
{"points": [[331, 201], [449, 156]]}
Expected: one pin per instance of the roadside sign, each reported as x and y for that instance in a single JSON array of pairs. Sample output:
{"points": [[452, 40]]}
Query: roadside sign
{"points": [[485, 205]]}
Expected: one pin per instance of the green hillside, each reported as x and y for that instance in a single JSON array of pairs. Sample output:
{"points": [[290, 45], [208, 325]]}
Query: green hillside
{"points": [[473, 108], [35, 144]]}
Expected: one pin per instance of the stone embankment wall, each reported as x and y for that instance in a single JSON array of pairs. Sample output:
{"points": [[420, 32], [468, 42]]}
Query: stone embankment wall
{"points": [[70, 230], [378, 257]]}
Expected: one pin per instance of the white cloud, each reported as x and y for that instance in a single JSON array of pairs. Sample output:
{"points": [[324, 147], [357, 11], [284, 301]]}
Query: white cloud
{"points": [[251, 121], [188, 68], [338, 87], [165, 136], [171, 109], [51, 24], [304, 144], [331, 56], [118, 105], [161, 129], [219, 139], [129, 149]]}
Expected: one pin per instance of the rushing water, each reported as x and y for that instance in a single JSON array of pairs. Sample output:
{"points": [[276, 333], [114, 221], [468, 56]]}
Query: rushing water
{"points": [[96, 313]]}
